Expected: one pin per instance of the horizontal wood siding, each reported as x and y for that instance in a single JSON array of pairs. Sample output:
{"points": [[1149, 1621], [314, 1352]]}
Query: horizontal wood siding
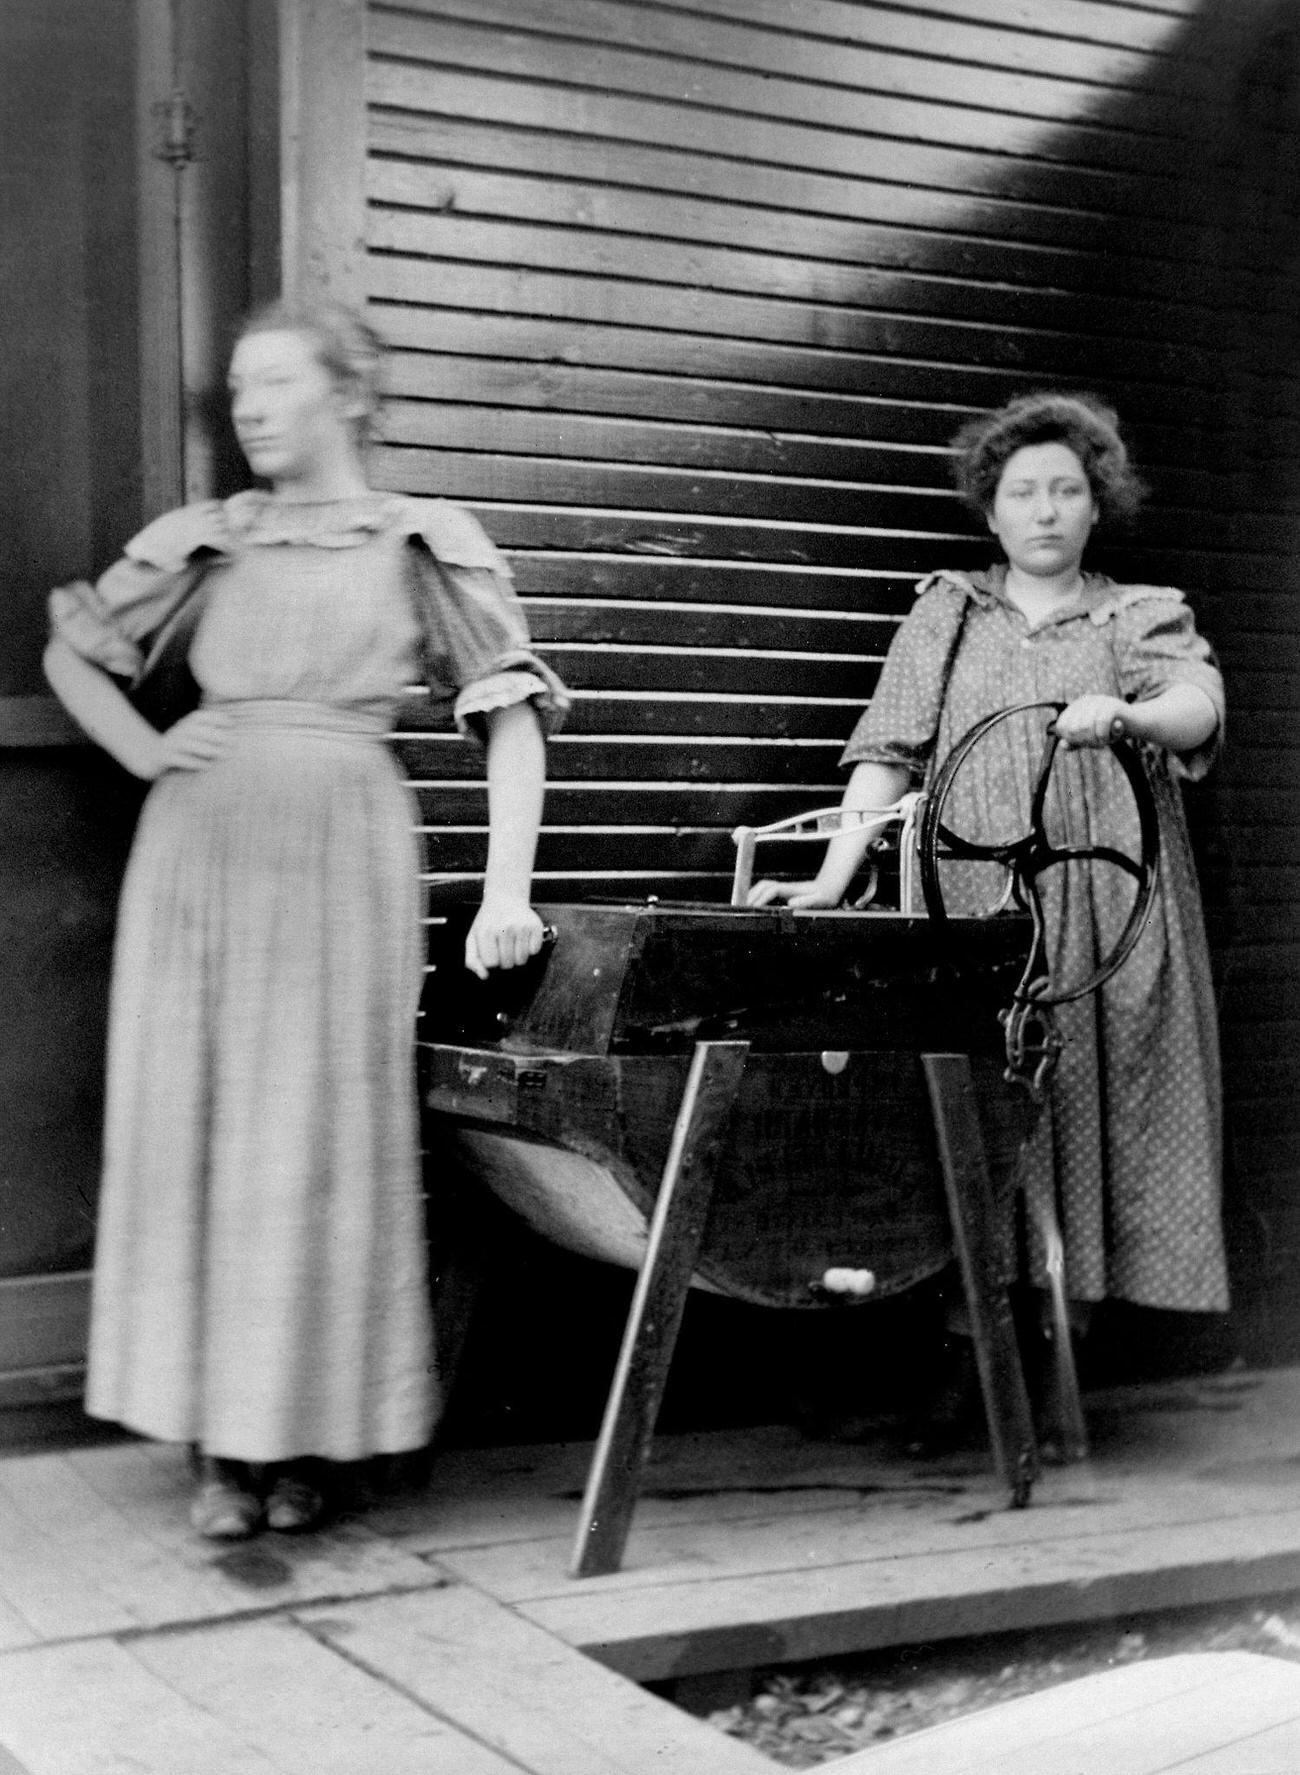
{"points": [[687, 298]]}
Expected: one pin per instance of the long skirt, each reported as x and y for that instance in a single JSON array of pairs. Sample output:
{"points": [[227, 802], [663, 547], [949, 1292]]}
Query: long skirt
{"points": [[260, 1276]]}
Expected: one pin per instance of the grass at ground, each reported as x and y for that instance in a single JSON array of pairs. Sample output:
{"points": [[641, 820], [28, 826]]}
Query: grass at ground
{"points": [[808, 1715]]}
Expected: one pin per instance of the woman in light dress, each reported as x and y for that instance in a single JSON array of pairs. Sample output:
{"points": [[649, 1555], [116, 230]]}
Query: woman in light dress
{"points": [[260, 1287]]}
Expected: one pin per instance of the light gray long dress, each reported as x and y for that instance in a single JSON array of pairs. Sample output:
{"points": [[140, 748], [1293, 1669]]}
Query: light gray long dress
{"points": [[260, 1284]]}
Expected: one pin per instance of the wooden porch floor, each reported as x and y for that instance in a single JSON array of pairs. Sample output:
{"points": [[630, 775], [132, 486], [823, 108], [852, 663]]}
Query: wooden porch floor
{"points": [[441, 1634]]}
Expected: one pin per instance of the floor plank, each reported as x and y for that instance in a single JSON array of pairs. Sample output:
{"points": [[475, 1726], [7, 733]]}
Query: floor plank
{"points": [[162, 1573], [308, 1708], [1212, 1713], [1269, 1752], [516, 1687], [719, 1621], [91, 1708], [1189, 1434], [446, 1617], [124, 1577], [1073, 1506], [492, 1495], [42, 1584], [244, 1698]]}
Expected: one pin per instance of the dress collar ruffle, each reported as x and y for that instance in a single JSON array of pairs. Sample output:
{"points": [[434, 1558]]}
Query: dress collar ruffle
{"points": [[261, 518], [1099, 597]]}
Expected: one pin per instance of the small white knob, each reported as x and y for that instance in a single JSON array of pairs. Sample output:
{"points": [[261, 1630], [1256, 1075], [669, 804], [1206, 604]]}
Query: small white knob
{"points": [[849, 1281]]}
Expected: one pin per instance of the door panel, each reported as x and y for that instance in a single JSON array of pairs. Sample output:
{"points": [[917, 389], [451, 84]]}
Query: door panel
{"points": [[116, 302]]}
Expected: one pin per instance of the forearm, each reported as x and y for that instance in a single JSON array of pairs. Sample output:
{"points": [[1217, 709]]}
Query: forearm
{"points": [[102, 711], [516, 779], [871, 785], [1179, 719]]}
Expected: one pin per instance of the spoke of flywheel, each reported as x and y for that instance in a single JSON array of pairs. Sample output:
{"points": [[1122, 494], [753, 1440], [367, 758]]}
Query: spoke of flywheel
{"points": [[965, 849], [1101, 853]]}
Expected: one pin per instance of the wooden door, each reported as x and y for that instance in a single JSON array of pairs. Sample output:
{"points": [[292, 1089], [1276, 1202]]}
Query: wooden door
{"points": [[121, 176]]}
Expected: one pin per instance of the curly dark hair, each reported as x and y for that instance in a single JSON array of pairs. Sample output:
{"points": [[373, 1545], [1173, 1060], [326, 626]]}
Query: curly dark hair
{"points": [[984, 446]]}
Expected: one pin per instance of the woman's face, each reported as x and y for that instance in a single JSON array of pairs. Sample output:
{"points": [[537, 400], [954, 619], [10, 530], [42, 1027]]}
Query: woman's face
{"points": [[1043, 510], [290, 415]]}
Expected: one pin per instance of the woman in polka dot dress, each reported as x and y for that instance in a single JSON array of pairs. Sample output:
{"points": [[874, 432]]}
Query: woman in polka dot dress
{"points": [[1129, 1147]]}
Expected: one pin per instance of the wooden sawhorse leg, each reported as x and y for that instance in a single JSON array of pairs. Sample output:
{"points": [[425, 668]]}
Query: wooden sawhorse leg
{"points": [[655, 1316], [955, 1110]]}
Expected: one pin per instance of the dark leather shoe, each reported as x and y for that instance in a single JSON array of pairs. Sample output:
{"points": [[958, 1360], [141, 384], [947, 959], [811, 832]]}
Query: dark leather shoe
{"points": [[294, 1501], [224, 1506]]}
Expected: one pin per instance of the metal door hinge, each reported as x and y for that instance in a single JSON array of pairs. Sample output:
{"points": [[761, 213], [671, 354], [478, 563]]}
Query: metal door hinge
{"points": [[175, 123]]}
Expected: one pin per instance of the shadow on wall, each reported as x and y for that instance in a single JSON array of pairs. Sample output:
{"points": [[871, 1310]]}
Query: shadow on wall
{"points": [[1217, 414], [1215, 406]]}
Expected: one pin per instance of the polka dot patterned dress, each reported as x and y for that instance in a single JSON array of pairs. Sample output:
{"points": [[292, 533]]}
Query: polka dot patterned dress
{"points": [[1129, 1146]]}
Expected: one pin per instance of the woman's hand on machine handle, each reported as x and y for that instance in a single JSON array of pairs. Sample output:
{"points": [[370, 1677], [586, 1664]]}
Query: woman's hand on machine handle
{"points": [[803, 896], [506, 931], [504, 934], [1181, 718], [1093, 720], [871, 787]]}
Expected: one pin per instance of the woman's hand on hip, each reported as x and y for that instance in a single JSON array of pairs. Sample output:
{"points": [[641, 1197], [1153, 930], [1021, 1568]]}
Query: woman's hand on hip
{"points": [[196, 740], [505, 932], [1092, 720]]}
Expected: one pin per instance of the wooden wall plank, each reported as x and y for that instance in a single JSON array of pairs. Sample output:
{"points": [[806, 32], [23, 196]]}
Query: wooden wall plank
{"points": [[687, 301], [883, 92], [720, 714], [600, 282], [446, 312], [903, 155], [447, 425], [480, 128], [767, 35], [663, 806], [727, 215], [1140, 27], [540, 578], [666, 759], [705, 491], [908, 441], [741, 672], [620, 622], [896, 147], [801, 272]]}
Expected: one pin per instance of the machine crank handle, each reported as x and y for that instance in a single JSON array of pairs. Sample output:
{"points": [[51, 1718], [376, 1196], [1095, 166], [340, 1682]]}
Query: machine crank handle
{"points": [[823, 824], [1118, 730]]}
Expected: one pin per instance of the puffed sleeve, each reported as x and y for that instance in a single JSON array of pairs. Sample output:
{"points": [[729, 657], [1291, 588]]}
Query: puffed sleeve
{"points": [[109, 622], [1157, 645], [477, 649], [900, 724]]}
